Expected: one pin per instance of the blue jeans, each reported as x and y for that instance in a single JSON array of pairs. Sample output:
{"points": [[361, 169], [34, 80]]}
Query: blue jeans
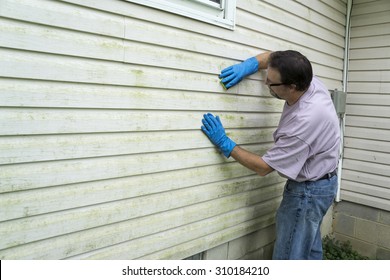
{"points": [[299, 218]]}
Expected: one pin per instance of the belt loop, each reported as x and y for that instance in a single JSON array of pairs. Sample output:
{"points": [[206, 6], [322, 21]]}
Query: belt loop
{"points": [[331, 174]]}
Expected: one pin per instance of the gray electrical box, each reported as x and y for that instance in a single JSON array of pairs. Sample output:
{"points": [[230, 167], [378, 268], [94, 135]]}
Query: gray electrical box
{"points": [[339, 99]]}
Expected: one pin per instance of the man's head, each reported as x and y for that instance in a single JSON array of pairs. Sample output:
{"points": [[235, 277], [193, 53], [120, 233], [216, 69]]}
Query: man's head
{"points": [[294, 68], [289, 73]]}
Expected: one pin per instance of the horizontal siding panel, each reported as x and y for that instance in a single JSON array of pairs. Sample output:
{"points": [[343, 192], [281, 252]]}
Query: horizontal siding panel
{"points": [[18, 64], [370, 76], [365, 199], [136, 53], [137, 30], [16, 149], [371, 64], [369, 99], [318, 17], [92, 193], [25, 65], [339, 5], [328, 8], [366, 167], [367, 87], [17, 93], [295, 37], [50, 225], [367, 133], [45, 174], [95, 238], [221, 229], [383, 193], [369, 156], [366, 110], [60, 14], [276, 16], [371, 145], [27, 203], [370, 42], [331, 83], [365, 178], [361, 1], [211, 241], [369, 122], [323, 63], [34, 37], [369, 19], [370, 30], [376, 53], [43, 121], [371, 7], [46, 39]]}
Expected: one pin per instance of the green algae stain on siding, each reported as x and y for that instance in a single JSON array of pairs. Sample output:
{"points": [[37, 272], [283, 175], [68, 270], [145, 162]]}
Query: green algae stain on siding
{"points": [[138, 76]]}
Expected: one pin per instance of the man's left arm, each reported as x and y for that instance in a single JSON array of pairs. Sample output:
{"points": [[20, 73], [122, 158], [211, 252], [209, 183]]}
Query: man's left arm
{"points": [[213, 128], [252, 161]]}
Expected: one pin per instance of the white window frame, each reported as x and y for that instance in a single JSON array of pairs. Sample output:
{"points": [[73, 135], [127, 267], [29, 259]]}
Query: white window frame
{"points": [[204, 10]]}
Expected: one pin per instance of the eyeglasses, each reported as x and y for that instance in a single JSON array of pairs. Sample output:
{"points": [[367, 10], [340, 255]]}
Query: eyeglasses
{"points": [[267, 82], [276, 85]]}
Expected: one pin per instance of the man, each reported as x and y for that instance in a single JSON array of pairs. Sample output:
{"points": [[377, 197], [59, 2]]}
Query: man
{"points": [[306, 148]]}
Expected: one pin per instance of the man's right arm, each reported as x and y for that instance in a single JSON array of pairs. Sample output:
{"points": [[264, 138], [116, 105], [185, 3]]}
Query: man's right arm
{"points": [[232, 75], [263, 60]]}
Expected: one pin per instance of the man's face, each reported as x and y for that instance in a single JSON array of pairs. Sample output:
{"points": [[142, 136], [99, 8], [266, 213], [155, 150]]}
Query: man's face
{"points": [[276, 87]]}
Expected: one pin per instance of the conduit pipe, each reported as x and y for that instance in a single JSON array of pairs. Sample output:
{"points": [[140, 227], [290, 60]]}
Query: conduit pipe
{"points": [[345, 89]]}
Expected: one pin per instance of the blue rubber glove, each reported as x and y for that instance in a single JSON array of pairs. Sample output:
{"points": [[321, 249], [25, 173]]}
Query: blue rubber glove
{"points": [[232, 75], [213, 128]]}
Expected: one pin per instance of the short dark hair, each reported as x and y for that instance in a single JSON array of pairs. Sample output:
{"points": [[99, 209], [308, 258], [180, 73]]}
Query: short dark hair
{"points": [[294, 68]]}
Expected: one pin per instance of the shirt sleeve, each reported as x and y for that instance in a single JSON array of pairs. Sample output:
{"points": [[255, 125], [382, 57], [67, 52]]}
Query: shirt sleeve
{"points": [[288, 156]]}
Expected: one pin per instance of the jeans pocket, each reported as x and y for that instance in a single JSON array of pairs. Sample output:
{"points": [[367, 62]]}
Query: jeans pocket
{"points": [[322, 194], [318, 206]]}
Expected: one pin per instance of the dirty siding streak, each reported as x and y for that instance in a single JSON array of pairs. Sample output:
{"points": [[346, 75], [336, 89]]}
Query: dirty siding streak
{"points": [[101, 152]]}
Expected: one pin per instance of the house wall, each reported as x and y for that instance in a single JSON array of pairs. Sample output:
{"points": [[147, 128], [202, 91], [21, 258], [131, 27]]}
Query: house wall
{"points": [[102, 156], [366, 153], [365, 181]]}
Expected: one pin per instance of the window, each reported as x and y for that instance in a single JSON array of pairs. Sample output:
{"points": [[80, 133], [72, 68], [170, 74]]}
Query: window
{"points": [[218, 12]]}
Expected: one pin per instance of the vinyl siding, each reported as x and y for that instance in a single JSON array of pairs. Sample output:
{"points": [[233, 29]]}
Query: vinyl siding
{"points": [[102, 156], [367, 147]]}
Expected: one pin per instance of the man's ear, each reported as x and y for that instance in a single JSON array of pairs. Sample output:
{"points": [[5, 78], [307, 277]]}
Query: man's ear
{"points": [[292, 87]]}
